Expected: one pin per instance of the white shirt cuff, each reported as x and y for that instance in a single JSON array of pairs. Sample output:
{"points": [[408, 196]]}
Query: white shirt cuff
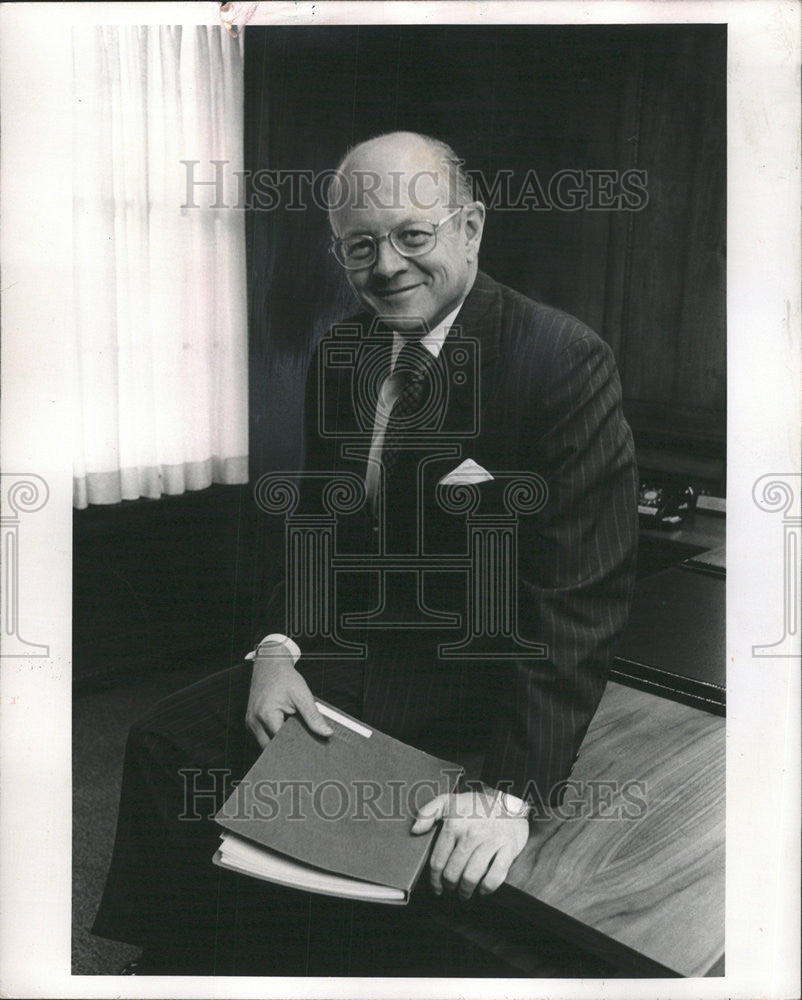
{"points": [[281, 640]]}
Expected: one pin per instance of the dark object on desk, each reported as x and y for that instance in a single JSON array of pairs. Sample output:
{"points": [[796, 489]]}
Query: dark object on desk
{"points": [[664, 506], [674, 644]]}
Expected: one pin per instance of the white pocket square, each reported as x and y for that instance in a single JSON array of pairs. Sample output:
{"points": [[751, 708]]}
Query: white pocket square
{"points": [[468, 472]]}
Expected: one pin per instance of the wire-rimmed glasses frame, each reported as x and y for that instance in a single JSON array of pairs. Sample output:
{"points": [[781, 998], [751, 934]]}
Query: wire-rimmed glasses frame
{"points": [[364, 248]]}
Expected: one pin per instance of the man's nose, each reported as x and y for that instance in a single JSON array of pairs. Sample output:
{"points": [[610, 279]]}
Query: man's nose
{"points": [[388, 260]]}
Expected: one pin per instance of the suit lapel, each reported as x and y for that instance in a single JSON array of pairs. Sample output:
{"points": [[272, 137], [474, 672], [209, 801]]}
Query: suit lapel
{"points": [[476, 330], [478, 316]]}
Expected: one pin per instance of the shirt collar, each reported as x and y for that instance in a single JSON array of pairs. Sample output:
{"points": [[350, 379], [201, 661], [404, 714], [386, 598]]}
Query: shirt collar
{"points": [[434, 340]]}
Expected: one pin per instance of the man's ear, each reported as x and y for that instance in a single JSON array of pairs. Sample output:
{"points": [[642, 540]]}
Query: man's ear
{"points": [[474, 227]]}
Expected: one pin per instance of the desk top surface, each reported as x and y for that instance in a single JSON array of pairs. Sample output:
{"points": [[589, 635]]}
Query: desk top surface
{"points": [[702, 530], [638, 858]]}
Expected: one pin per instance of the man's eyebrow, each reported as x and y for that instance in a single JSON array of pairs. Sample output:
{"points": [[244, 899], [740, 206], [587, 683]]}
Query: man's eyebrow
{"points": [[408, 221], [355, 232]]}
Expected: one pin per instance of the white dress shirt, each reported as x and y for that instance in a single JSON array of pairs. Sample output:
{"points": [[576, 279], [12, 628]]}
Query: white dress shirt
{"points": [[388, 394]]}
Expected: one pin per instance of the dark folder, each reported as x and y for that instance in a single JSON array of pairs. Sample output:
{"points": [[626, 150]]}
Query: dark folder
{"points": [[334, 815], [674, 644]]}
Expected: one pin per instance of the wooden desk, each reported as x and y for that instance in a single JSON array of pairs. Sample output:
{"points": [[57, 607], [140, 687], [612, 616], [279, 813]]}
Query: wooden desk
{"points": [[645, 893]]}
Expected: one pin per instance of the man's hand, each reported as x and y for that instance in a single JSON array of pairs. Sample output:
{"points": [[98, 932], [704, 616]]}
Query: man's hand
{"points": [[477, 844], [277, 691]]}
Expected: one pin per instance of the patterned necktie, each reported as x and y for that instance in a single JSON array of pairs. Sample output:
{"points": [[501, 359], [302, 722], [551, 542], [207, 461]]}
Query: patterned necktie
{"points": [[411, 368]]}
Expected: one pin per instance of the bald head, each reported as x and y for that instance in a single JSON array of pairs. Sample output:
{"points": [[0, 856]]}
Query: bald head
{"points": [[379, 171], [406, 228]]}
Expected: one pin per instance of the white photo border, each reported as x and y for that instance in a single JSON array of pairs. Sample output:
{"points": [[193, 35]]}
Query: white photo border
{"points": [[764, 365]]}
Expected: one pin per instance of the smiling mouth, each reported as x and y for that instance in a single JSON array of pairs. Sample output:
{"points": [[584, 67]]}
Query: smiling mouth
{"points": [[390, 292]]}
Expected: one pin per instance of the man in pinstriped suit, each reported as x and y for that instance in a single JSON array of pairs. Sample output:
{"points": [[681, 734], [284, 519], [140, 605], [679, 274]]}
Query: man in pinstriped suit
{"points": [[549, 404]]}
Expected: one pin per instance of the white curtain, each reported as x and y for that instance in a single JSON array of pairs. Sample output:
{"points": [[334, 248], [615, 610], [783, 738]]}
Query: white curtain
{"points": [[159, 323]]}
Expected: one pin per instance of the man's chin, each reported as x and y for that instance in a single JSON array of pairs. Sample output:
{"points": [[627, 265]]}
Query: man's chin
{"points": [[404, 321], [405, 313], [408, 324]]}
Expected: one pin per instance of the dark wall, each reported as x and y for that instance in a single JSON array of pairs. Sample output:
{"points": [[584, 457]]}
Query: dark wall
{"points": [[547, 98], [169, 584]]}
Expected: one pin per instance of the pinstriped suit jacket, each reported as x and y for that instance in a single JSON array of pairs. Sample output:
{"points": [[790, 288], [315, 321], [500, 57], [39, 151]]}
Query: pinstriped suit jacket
{"points": [[549, 402]]}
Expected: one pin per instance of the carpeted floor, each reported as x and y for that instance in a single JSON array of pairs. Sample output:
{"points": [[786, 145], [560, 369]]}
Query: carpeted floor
{"points": [[100, 722]]}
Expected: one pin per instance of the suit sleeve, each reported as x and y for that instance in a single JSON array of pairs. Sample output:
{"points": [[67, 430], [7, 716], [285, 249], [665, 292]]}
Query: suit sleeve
{"points": [[317, 457], [576, 564]]}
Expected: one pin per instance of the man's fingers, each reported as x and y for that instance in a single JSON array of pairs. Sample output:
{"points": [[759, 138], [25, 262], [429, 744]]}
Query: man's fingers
{"points": [[264, 726], [497, 871], [305, 704], [429, 814], [475, 868], [272, 720], [443, 847], [261, 736], [452, 873]]}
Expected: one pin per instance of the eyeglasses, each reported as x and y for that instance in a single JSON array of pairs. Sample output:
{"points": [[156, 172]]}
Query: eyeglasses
{"points": [[410, 239]]}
